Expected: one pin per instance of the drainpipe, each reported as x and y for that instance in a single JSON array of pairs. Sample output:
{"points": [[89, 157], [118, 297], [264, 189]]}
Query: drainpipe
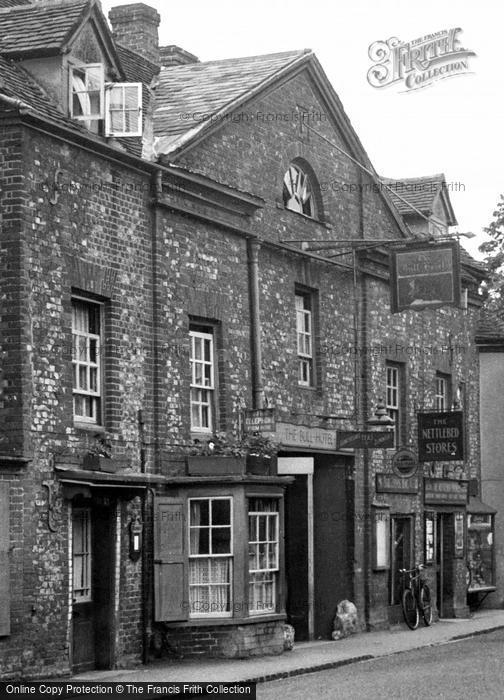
{"points": [[253, 246], [147, 601]]}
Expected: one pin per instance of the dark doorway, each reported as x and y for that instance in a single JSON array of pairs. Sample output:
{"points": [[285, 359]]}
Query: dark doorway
{"points": [[92, 566], [401, 557], [445, 549], [333, 538], [296, 555]]}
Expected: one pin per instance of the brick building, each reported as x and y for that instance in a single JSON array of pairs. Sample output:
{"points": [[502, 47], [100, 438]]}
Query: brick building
{"points": [[182, 337]]}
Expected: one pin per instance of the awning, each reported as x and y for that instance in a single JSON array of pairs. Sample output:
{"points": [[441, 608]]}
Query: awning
{"points": [[476, 505], [96, 479]]}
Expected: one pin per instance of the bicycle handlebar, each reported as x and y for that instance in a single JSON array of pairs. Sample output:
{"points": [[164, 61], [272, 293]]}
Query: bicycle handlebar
{"points": [[418, 567]]}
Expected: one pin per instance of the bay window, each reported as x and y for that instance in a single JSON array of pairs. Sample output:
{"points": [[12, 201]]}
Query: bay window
{"points": [[263, 554], [210, 557]]}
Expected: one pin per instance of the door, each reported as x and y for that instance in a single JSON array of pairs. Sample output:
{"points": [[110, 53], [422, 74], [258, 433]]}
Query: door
{"points": [[333, 539], [92, 570], [444, 562], [296, 555], [401, 557]]}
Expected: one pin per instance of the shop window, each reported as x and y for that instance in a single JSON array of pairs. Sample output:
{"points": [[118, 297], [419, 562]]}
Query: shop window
{"points": [[480, 552], [202, 378], [81, 554], [263, 555], [210, 557], [304, 335], [298, 191], [86, 361], [430, 537]]}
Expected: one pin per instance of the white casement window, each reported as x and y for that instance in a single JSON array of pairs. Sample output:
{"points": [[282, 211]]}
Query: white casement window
{"points": [[202, 381], [442, 397], [81, 554], [210, 557], [87, 87], [263, 555], [304, 333], [86, 360], [393, 400], [297, 191], [123, 109]]}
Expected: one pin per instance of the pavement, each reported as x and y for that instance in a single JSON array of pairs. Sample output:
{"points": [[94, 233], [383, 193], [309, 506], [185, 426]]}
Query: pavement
{"points": [[306, 657]]}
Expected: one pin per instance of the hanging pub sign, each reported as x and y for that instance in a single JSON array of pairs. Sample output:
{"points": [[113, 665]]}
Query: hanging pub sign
{"points": [[425, 276], [440, 436]]}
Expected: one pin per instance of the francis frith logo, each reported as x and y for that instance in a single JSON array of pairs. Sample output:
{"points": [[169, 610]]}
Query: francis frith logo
{"points": [[418, 63]]}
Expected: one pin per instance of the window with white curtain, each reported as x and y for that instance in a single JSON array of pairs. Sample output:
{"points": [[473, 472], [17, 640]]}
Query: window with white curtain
{"points": [[263, 554], [210, 557]]}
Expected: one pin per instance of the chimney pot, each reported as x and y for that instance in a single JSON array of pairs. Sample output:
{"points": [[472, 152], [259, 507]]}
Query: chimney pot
{"points": [[136, 27], [175, 56]]}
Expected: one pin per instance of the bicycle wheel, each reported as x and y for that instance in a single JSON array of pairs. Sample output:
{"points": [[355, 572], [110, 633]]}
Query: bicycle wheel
{"points": [[410, 609], [425, 604]]}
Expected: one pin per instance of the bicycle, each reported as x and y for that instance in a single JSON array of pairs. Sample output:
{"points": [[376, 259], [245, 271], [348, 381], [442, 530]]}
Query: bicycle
{"points": [[416, 597]]}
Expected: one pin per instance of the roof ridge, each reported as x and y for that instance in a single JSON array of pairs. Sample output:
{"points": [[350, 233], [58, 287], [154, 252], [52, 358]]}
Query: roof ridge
{"points": [[42, 5], [277, 54], [436, 176]]}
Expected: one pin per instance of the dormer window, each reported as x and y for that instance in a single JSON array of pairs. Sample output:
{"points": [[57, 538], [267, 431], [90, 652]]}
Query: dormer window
{"points": [[87, 92], [117, 105], [123, 116], [298, 192]]}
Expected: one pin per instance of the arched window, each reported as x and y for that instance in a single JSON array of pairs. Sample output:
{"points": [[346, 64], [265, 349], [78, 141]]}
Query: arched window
{"points": [[298, 194]]}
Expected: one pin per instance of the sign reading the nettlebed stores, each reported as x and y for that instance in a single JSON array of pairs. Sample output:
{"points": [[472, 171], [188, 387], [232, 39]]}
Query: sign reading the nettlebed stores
{"points": [[440, 436], [291, 435]]}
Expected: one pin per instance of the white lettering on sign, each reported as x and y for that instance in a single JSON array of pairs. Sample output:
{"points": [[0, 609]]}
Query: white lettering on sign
{"points": [[302, 436]]}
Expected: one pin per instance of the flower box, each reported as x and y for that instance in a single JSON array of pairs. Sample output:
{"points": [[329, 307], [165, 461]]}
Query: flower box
{"points": [[99, 463], [215, 465]]}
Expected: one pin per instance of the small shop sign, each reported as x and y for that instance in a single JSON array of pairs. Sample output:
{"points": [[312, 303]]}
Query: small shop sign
{"points": [[404, 463], [261, 420], [440, 436], [425, 276], [360, 439], [391, 483], [446, 492]]}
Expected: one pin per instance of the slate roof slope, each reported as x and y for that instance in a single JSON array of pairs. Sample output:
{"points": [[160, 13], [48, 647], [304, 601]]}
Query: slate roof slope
{"points": [[206, 88], [13, 3], [16, 82], [39, 29], [419, 191], [490, 330]]}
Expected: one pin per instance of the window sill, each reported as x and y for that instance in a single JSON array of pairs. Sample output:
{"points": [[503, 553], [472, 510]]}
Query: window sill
{"points": [[218, 621], [89, 427], [308, 388]]}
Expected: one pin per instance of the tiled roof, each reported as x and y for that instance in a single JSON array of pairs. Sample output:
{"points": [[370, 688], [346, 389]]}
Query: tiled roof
{"points": [[41, 28], [13, 3], [188, 96], [419, 191], [490, 330], [17, 83]]}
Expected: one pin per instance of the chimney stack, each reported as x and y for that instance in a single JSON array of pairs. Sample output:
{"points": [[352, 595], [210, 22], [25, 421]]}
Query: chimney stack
{"points": [[136, 28], [175, 56]]}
